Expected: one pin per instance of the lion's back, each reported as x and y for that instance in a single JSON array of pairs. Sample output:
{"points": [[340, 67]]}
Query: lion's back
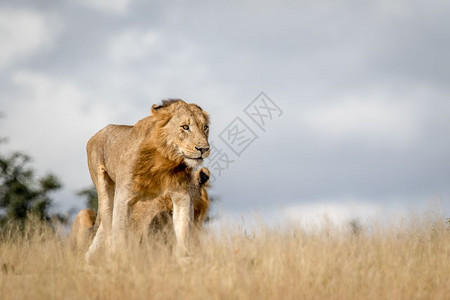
{"points": [[106, 147], [109, 135]]}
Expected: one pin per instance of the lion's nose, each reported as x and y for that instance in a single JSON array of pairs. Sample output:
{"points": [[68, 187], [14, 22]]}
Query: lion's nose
{"points": [[202, 150]]}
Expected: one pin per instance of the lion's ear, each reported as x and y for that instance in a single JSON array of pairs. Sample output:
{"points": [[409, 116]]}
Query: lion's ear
{"points": [[165, 103], [205, 114], [155, 108], [203, 176]]}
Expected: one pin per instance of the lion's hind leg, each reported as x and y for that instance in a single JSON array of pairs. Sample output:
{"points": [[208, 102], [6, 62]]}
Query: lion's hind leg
{"points": [[98, 244], [105, 191]]}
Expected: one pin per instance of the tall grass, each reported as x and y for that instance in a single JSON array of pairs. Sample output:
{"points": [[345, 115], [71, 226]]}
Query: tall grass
{"points": [[408, 261]]}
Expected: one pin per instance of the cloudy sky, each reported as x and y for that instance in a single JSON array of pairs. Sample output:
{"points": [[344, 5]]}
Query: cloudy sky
{"points": [[357, 95]]}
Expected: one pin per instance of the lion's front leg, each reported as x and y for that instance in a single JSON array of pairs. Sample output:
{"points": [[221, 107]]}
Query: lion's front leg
{"points": [[183, 214]]}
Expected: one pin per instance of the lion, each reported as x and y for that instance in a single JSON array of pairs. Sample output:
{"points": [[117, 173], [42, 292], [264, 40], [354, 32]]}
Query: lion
{"points": [[155, 157], [83, 230], [147, 216]]}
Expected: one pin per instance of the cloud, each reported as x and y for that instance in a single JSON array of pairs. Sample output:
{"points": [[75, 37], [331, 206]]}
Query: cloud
{"points": [[152, 47], [152, 64], [113, 6], [50, 120], [319, 214], [367, 119], [133, 44], [24, 33], [365, 94], [335, 212]]}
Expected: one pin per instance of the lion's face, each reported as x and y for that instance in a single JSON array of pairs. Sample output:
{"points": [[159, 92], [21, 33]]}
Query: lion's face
{"points": [[186, 132]]}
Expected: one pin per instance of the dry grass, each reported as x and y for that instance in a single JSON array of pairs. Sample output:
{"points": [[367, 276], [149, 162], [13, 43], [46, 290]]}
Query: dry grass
{"points": [[406, 262]]}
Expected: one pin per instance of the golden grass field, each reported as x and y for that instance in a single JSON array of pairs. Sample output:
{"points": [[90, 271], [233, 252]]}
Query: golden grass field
{"points": [[407, 261]]}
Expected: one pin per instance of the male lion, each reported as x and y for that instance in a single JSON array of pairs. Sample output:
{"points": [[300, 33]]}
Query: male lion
{"points": [[154, 157], [146, 215]]}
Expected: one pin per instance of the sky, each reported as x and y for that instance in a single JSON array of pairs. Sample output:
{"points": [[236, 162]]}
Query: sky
{"points": [[336, 108]]}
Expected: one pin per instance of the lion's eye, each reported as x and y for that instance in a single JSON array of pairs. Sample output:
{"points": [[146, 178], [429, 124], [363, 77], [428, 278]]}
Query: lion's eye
{"points": [[206, 127], [185, 127]]}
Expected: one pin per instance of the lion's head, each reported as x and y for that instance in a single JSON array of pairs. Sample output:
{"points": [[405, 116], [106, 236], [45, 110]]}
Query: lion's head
{"points": [[183, 128]]}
